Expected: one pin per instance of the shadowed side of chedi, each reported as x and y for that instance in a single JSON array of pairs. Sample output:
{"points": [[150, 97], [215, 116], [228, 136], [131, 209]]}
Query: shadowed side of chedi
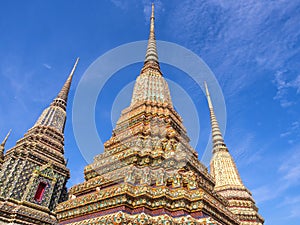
{"points": [[148, 173]]}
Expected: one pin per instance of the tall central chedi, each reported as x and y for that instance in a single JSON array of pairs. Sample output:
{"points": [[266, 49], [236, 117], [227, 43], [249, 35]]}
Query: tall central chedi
{"points": [[148, 173]]}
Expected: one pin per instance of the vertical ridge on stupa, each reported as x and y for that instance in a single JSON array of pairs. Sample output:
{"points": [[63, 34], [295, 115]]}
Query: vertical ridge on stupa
{"points": [[34, 174], [227, 178]]}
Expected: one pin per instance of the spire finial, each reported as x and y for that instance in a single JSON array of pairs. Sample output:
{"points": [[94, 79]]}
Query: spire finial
{"points": [[63, 94], [152, 11], [2, 147], [151, 54], [218, 141], [208, 96], [5, 139], [152, 18], [55, 114]]}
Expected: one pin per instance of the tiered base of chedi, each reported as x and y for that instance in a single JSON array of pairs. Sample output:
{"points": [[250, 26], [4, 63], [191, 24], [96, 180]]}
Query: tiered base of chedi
{"points": [[149, 173]]}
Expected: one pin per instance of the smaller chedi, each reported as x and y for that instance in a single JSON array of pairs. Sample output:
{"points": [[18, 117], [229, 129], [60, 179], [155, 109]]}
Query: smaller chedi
{"points": [[33, 173], [150, 174]]}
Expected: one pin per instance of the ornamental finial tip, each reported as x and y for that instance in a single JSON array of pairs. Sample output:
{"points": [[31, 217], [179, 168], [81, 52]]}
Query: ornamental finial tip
{"points": [[152, 11], [63, 94], [210, 105], [5, 139], [151, 53]]}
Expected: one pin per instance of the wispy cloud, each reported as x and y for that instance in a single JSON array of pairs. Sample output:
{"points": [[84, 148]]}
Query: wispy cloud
{"points": [[291, 201], [233, 35], [292, 129], [291, 168], [243, 149], [288, 175], [295, 211], [145, 4], [19, 81], [47, 66], [284, 86], [291, 178], [266, 193], [120, 4]]}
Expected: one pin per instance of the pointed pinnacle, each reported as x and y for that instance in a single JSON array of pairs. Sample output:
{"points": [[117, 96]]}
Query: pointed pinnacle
{"points": [[217, 138], [63, 94], [152, 18], [151, 54], [210, 105], [5, 139], [152, 12]]}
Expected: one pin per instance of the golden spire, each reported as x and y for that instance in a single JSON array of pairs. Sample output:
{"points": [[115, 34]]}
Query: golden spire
{"points": [[151, 54], [218, 141], [223, 167], [55, 115], [63, 94], [228, 182], [150, 86]]}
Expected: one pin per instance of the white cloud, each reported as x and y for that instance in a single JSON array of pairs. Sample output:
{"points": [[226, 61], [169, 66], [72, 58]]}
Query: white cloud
{"points": [[293, 174], [120, 4], [47, 66], [232, 34], [125, 4], [290, 168], [284, 86], [291, 201], [293, 204], [19, 81], [243, 149], [293, 129], [285, 134], [288, 177], [295, 212], [265, 193]]}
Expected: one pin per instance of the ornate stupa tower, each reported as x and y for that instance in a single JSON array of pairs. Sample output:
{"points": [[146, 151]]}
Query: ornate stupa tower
{"points": [[227, 177], [34, 173], [148, 173]]}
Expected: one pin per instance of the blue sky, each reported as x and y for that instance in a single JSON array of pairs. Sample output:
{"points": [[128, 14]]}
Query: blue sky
{"points": [[251, 46]]}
